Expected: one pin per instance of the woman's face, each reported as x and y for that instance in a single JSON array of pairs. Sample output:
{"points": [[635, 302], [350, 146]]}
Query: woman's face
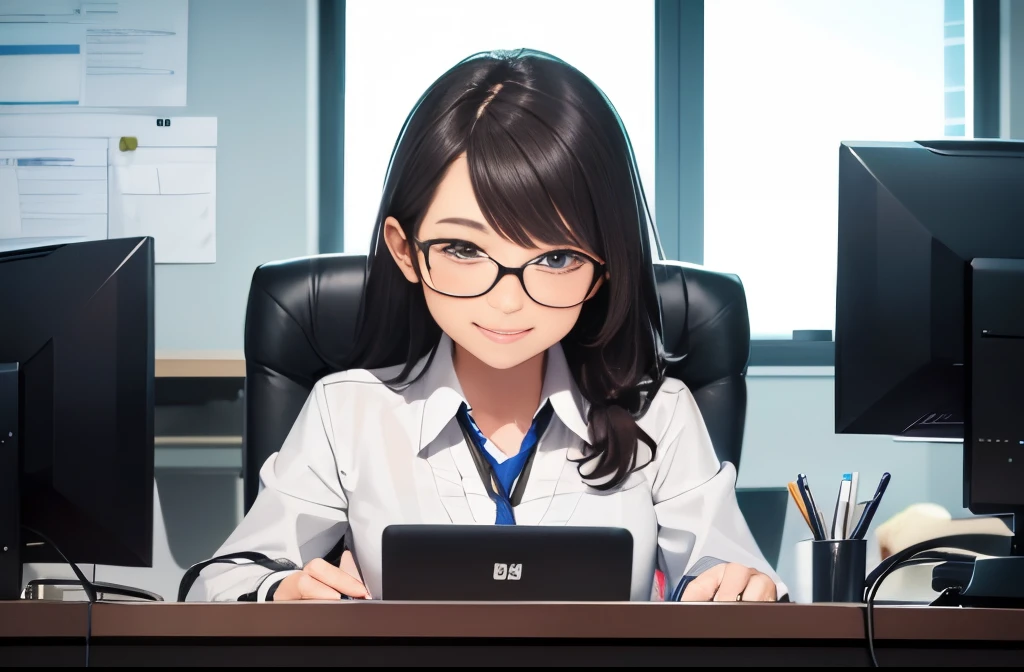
{"points": [[504, 327]]}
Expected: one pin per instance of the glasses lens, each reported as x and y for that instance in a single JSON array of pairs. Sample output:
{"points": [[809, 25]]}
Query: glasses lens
{"points": [[559, 280], [459, 270]]}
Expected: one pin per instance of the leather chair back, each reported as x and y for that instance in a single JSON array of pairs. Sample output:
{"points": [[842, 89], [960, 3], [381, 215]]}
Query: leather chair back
{"points": [[302, 313]]}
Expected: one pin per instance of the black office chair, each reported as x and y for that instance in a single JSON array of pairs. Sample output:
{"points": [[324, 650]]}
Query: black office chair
{"points": [[302, 314]]}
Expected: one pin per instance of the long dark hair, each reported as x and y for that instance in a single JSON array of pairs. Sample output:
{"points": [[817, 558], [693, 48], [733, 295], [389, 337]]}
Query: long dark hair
{"points": [[542, 142]]}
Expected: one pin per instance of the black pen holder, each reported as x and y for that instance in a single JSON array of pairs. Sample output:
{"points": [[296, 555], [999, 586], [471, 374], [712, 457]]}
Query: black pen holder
{"points": [[839, 568]]}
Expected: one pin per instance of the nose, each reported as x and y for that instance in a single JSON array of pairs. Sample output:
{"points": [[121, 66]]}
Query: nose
{"points": [[507, 296]]}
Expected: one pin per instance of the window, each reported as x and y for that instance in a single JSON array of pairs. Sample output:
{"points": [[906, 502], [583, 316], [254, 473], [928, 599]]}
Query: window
{"points": [[785, 81], [396, 48]]}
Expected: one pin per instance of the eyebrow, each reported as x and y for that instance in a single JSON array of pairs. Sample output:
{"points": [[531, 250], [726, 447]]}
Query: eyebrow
{"points": [[471, 223]]}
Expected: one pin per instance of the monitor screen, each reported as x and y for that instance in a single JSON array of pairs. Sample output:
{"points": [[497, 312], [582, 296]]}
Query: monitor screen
{"points": [[79, 327], [912, 216]]}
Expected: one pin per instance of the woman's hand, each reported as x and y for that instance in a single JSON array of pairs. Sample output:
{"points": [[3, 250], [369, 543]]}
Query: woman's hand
{"points": [[320, 580], [730, 583]]}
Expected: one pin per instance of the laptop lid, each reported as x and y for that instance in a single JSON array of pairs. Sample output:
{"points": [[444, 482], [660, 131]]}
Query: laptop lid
{"points": [[506, 563]]}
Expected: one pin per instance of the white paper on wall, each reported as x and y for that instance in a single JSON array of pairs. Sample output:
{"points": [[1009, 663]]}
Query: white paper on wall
{"points": [[114, 53], [65, 178]]}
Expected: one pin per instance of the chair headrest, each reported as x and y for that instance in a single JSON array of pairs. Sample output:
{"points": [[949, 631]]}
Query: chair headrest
{"points": [[302, 315]]}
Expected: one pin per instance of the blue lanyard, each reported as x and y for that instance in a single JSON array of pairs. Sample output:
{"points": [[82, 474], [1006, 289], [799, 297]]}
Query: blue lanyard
{"points": [[506, 473]]}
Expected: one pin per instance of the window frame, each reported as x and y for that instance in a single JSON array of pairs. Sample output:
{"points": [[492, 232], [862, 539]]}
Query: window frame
{"points": [[679, 143], [679, 138], [331, 61]]}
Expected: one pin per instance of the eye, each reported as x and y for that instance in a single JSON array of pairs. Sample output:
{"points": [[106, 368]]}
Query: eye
{"points": [[561, 261], [462, 250]]}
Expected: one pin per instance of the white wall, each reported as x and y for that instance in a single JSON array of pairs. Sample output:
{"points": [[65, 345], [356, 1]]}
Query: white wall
{"points": [[247, 67]]}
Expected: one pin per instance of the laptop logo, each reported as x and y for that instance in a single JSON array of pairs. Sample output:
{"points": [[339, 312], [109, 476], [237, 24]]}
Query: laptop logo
{"points": [[503, 572]]}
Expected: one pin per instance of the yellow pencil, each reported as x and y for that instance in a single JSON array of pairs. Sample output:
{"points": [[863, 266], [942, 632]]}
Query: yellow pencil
{"points": [[795, 493]]}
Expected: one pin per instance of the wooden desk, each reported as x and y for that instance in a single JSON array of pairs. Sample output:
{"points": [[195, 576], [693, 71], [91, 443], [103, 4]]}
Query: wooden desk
{"points": [[200, 364], [353, 633]]}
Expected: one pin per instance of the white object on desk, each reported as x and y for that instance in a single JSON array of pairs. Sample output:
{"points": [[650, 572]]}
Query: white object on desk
{"points": [[925, 521], [802, 588]]}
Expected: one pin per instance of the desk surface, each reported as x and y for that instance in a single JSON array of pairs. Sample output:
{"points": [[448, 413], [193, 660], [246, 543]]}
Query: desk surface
{"points": [[524, 620], [522, 635]]}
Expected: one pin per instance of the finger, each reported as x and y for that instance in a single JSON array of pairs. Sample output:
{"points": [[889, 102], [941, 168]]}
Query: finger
{"points": [[334, 577], [348, 565], [734, 580], [311, 589], [703, 588], [760, 588]]}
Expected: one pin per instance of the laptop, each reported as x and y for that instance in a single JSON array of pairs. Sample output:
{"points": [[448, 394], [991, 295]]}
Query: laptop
{"points": [[765, 512], [506, 563]]}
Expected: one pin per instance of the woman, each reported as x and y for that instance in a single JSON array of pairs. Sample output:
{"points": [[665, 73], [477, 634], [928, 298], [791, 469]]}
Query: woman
{"points": [[511, 305]]}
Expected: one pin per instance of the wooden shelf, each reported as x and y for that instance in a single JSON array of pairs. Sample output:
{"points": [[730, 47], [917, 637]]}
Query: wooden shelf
{"points": [[200, 364]]}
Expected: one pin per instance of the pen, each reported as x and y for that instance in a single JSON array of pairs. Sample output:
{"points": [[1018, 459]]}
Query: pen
{"points": [[883, 483], [815, 515], [872, 506], [822, 527]]}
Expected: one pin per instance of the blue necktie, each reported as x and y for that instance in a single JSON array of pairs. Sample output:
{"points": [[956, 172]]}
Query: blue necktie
{"points": [[506, 472]]}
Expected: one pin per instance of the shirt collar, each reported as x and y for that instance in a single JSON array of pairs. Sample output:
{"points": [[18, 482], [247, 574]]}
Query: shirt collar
{"points": [[442, 395]]}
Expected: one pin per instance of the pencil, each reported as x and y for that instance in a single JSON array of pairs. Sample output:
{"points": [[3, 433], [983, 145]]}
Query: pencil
{"points": [[795, 494]]}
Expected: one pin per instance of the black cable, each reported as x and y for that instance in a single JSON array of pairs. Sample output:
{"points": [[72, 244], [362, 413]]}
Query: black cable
{"points": [[88, 631], [90, 590], [915, 555], [870, 609], [985, 544]]}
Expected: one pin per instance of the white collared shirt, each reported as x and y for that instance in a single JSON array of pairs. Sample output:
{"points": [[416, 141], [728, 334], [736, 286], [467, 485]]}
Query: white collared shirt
{"points": [[362, 456]]}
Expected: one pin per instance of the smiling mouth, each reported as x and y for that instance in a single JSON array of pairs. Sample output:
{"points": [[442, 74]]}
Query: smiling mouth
{"points": [[504, 333]]}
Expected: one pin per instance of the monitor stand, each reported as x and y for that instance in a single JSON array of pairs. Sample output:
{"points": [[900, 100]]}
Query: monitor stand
{"points": [[10, 503], [995, 582], [994, 427], [53, 589], [10, 471]]}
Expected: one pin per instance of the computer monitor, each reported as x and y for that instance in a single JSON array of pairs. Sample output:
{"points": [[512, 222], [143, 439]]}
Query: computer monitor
{"points": [[930, 303], [76, 405]]}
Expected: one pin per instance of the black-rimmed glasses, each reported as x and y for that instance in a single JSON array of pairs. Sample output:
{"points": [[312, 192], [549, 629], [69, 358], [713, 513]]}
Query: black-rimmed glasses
{"points": [[556, 279]]}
